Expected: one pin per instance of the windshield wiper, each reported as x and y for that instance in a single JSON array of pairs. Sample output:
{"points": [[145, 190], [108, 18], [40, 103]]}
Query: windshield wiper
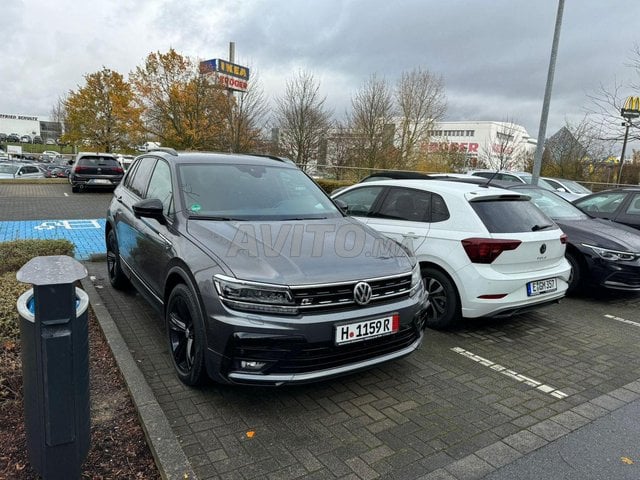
{"points": [[213, 218], [535, 228]]}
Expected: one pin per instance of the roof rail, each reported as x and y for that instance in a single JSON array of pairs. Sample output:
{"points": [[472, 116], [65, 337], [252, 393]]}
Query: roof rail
{"points": [[170, 151]]}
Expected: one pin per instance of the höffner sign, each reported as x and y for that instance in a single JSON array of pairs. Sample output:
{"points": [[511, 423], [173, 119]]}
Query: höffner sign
{"points": [[229, 75]]}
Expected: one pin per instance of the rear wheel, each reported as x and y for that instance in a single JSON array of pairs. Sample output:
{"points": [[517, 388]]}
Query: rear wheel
{"points": [[185, 333], [444, 307], [117, 278], [577, 272], [75, 188]]}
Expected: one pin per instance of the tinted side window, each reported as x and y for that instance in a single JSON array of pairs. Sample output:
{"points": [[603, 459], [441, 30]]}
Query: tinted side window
{"points": [[129, 175], [602, 203], [439, 210], [160, 186], [634, 205], [406, 204], [138, 183], [510, 216], [360, 200]]}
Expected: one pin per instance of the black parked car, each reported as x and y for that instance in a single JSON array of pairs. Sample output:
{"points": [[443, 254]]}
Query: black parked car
{"points": [[95, 170], [621, 205], [601, 252], [260, 278]]}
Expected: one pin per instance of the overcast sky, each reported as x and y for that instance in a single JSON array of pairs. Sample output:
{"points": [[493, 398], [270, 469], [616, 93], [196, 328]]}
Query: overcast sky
{"points": [[492, 54]]}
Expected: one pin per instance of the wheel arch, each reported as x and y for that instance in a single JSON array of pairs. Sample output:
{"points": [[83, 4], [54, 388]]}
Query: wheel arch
{"points": [[427, 264]]}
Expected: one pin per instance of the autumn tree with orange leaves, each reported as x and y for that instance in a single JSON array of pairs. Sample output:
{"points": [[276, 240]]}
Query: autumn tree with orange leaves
{"points": [[102, 114], [181, 108]]}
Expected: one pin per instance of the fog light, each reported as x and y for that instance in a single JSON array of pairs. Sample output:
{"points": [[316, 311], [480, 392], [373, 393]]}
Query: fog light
{"points": [[251, 365]]}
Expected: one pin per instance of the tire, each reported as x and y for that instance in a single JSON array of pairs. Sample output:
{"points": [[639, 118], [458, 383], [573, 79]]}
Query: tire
{"points": [[444, 308], [75, 188], [577, 273], [185, 335], [117, 278]]}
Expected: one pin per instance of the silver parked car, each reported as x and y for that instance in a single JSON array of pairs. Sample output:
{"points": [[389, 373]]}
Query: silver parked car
{"points": [[20, 170]]}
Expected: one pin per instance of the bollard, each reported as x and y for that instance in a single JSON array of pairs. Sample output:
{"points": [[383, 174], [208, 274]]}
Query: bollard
{"points": [[55, 366]]}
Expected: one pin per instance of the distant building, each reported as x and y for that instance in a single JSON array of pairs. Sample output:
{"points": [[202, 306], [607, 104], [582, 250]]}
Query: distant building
{"points": [[485, 144], [29, 125]]}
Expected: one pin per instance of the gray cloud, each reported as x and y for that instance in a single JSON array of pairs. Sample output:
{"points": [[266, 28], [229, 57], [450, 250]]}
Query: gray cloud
{"points": [[493, 55]]}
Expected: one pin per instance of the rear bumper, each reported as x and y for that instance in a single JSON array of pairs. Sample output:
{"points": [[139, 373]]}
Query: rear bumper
{"points": [[94, 181], [512, 287]]}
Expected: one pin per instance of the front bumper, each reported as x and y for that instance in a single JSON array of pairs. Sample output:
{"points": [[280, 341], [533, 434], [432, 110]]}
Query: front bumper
{"points": [[614, 275], [301, 349]]}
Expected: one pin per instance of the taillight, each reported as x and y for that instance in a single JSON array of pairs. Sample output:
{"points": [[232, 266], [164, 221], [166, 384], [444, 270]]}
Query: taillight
{"points": [[80, 168], [563, 238], [486, 250]]}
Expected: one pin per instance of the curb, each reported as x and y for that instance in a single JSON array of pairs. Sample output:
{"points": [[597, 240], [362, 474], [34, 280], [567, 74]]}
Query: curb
{"points": [[170, 459]]}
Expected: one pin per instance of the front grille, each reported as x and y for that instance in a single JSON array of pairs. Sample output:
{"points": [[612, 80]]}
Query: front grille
{"points": [[338, 295], [295, 355]]}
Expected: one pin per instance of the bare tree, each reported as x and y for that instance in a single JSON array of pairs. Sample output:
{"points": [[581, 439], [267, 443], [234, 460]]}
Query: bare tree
{"points": [[302, 119], [607, 102], [370, 122], [247, 111], [575, 151], [421, 102], [58, 110]]}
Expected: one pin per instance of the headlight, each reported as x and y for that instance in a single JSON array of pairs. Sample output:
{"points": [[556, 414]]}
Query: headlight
{"points": [[416, 280], [612, 255], [254, 297]]}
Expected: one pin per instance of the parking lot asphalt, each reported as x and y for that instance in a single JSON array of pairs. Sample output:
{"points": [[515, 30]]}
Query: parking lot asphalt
{"points": [[493, 398]]}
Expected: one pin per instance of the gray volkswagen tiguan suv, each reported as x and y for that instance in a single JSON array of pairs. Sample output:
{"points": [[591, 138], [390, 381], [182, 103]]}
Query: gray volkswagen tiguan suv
{"points": [[260, 278]]}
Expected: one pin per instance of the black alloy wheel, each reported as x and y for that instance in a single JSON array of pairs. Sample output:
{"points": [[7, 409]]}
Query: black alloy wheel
{"points": [[117, 278], [185, 332], [576, 276]]}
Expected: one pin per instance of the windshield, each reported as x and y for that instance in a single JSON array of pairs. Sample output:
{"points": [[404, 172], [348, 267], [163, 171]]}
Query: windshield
{"points": [[554, 206], [251, 192], [542, 183], [575, 187], [10, 169]]}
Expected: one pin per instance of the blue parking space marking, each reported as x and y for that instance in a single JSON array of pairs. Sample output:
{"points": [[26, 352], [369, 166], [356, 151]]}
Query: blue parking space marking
{"points": [[87, 235]]}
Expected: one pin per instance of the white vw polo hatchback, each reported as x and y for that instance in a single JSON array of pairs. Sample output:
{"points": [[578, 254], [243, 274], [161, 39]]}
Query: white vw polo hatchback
{"points": [[483, 251]]}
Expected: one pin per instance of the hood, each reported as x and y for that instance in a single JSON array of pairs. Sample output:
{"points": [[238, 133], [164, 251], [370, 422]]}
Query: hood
{"points": [[300, 252], [601, 233]]}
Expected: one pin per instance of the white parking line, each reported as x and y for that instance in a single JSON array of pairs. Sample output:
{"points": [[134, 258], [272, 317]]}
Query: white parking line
{"points": [[511, 374], [66, 194], [623, 320]]}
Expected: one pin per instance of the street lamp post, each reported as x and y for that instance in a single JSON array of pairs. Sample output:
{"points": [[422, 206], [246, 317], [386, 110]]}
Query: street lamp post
{"points": [[630, 110]]}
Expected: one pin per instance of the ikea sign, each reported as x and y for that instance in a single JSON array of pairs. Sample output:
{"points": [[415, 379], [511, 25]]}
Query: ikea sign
{"points": [[229, 75]]}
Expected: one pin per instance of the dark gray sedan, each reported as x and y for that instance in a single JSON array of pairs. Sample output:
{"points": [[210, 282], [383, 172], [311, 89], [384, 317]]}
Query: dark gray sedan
{"points": [[601, 252]]}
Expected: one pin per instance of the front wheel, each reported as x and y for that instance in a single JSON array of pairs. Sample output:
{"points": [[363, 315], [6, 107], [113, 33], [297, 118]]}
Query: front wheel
{"points": [[444, 309], [577, 275], [185, 333]]}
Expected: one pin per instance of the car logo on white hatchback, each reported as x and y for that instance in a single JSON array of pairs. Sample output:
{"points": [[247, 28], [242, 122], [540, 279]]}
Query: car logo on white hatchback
{"points": [[362, 293]]}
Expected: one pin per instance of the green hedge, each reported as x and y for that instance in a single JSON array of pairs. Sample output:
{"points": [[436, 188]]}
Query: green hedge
{"points": [[14, 255], [330, 185]]}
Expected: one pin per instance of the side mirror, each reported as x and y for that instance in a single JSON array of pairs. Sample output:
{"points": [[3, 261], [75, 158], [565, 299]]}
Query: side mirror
{"points": [[150, 208]]}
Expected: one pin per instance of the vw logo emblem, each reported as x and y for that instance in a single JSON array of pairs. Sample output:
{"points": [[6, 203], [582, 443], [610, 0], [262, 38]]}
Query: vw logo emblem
{"points": [[543, 248], [362, 293]]}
